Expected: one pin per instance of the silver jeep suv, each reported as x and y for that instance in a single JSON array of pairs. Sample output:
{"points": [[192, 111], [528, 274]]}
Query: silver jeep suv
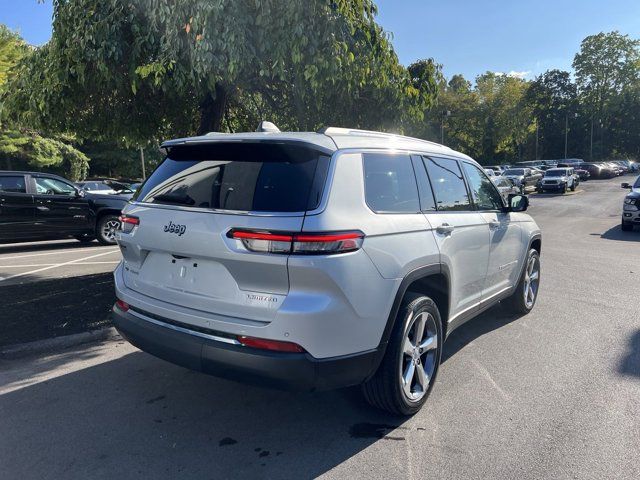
{"points": [[319, 260]]}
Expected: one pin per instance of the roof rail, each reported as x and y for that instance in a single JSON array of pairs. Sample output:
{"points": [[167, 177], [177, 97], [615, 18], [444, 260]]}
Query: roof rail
{"points": [[371, 133]]}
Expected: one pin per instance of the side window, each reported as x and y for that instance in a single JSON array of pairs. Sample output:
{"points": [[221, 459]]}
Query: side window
{"points": [[13, 184], [52, 186], [485, 195], [448, 184], [390, 184]]}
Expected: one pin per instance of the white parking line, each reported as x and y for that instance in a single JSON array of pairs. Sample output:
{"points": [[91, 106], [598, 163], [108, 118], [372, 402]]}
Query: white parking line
{"points": [[37, 265], [57, 252], [49, 267]]}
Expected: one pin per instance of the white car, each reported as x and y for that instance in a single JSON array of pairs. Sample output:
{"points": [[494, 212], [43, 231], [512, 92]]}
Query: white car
{"points": [[559, 180], [319, 260], [490, 172]]}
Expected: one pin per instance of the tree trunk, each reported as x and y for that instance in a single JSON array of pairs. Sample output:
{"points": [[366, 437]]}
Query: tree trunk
{"points": [[212, 110]]}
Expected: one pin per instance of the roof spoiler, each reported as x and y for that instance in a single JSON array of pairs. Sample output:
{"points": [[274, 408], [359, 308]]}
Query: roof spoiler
{"points": [[265, 126]]}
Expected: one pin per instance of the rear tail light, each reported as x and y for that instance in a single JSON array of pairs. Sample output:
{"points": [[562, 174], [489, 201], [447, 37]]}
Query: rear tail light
{"points": [[121, 305], [298, 243], [273, 345], [128, 223]]}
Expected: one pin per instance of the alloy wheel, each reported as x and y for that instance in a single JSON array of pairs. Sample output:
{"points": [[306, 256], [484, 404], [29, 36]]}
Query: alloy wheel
{"points": [[531, 281], [418, 356], [109, 230]]}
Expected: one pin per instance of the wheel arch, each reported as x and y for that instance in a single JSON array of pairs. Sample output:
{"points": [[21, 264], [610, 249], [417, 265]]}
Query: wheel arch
{"points": [[431, 280]]}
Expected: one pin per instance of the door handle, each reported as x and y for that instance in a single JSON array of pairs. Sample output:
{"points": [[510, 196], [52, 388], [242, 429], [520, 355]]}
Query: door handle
{"points": [[42, 208], [445, 229], [494, 224]]}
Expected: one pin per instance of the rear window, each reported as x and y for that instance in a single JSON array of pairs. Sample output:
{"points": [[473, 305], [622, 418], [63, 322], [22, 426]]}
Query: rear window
{"points": [[255, 177], [12, 184]]}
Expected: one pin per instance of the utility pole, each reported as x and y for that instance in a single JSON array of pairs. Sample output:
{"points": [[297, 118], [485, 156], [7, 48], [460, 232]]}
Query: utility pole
{"points": [[591, 147], [144, 176], [537, 128], [566, 133]]}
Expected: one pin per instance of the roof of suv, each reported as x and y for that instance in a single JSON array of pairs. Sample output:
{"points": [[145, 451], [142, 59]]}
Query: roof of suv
{"points": [[330, 138]]}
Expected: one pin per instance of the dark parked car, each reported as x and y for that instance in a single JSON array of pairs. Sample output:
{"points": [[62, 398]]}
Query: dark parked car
{"points": [[40, 206], [597, 171], [578, 170]]}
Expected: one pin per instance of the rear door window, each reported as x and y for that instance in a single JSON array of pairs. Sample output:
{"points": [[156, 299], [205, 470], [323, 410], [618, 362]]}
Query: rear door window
{"points": [[390, 184], [252, 177], [448, 184], [13, 184]]}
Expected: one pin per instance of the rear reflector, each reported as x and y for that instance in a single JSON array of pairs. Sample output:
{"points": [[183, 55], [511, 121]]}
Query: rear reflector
{"points": [[298, 243], [124, 306], [128, 223], [273, 345]]}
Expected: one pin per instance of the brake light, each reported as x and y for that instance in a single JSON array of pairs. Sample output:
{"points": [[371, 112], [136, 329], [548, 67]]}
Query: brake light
{"points": [[128, 223], [121, 305], [273, 345], [298, 243]]}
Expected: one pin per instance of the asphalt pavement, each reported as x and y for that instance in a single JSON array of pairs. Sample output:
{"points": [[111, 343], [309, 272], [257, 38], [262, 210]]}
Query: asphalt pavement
{"points": [[554, 394], [53, 289]]}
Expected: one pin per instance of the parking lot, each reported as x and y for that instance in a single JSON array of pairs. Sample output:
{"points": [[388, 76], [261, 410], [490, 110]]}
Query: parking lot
{"points": [[554, 394]]}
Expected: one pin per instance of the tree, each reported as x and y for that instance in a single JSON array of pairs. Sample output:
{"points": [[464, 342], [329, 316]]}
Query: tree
{"points": [[27, 147], [553, 99], [140, 70], [605, 63]]}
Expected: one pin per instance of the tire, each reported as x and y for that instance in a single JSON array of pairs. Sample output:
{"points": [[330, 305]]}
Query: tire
{"points": [[519, 302], [85, 238], [106, 228], [385, 390], [626, 226], [573, 187], [564, 189]]}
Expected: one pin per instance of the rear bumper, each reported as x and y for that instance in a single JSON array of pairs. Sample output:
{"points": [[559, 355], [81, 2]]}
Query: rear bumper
{"points": [[223, 358]]}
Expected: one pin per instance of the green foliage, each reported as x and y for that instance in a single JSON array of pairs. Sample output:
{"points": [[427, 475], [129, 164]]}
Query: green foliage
{"points": [[133, 71], [28, 149]]}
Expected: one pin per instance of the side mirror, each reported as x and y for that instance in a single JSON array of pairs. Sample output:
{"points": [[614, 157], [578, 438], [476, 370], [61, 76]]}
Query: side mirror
{"points": [[625, 185], [518, 203], [80, 193]]}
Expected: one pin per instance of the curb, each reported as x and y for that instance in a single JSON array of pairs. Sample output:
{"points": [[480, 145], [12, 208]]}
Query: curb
{"points": [[11, 352]]}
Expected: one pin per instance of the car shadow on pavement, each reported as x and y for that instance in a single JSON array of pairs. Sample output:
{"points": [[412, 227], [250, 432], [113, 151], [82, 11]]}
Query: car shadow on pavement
{"points": [[139, 416], [616, 233], [494, 318], [52, 308], [52, 246], [630, 365]]}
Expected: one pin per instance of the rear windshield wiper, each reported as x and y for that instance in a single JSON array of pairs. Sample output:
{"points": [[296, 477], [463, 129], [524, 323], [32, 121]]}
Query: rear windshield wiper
{"points": [[174, 198]]}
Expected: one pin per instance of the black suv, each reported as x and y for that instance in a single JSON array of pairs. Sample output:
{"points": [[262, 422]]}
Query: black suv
{"points": [[40, 206]]}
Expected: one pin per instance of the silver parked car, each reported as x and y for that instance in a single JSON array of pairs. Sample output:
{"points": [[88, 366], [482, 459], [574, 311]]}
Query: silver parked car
{"points": [[505, 186], [319, 260]]}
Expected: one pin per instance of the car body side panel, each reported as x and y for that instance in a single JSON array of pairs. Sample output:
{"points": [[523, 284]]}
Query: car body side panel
{"points": [[396, 243]]}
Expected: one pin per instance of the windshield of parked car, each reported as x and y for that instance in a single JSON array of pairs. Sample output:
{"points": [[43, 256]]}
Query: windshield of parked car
{"points": [[559, 172], [514, 171], [637, 184]]}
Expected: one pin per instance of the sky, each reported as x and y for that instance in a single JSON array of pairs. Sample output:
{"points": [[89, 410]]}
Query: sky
{"points": [[521, 37]]}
